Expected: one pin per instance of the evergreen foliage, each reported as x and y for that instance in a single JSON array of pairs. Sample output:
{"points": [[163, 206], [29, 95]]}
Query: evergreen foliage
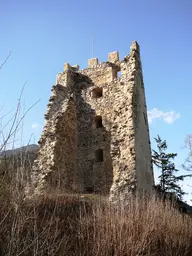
{"points": [[168, 179]]}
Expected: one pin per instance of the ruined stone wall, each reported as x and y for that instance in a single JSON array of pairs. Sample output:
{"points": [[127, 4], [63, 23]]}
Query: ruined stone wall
{"points": [[98, 174], [96, 136], [54, 169], [142, 146], [133, 171]]}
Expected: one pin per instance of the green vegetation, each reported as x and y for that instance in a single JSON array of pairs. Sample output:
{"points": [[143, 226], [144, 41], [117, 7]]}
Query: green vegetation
{"points": [[169, 181]]}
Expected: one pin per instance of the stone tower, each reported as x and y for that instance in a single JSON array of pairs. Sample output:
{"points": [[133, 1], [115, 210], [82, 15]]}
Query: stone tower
{"points": [[96, 135]]}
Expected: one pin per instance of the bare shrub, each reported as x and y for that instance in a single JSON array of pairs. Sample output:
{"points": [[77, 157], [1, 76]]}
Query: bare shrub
{"points": [[76, 225], [15, 168]]}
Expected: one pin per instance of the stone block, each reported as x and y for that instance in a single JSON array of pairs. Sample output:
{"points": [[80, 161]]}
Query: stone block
{"points": [[66, 66], [113, 57], [92, 62]]}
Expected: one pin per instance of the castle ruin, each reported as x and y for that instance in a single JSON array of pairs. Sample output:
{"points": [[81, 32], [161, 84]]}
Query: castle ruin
{"points": [[96, 135]]}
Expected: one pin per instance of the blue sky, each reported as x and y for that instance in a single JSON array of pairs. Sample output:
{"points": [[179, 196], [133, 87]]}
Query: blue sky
{"points": [[43, 35]]}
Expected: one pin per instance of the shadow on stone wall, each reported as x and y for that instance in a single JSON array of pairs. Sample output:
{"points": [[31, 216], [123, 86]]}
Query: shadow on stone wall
{"points": [[94, 163]]}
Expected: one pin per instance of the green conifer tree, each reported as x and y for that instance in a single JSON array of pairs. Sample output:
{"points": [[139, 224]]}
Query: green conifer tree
{"points": [[169, 181]]}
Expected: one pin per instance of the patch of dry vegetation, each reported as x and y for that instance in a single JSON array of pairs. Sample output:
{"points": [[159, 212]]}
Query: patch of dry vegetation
{"points": [[76, 225]]}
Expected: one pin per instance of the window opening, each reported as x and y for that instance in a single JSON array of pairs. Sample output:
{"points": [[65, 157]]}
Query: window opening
{"points": [[97, 92], [98, 122], [119, 74], [89, 189], [99, 155]]}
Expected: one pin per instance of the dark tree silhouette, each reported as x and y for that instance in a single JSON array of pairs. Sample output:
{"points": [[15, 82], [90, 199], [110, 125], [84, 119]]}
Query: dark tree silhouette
{"points": [[168, 180]]}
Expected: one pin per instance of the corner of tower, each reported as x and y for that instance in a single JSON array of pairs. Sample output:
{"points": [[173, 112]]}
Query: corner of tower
{"points": [[135, 46]]}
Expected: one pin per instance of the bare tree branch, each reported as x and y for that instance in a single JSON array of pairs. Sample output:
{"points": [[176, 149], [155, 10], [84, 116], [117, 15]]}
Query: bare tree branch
{"points": [[15, 121], [1, 66]]}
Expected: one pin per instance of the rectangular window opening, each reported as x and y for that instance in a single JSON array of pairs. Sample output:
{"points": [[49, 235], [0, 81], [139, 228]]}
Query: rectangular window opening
{"points": [[89, 190], [119, 74], [98, 122], [99, 155]]}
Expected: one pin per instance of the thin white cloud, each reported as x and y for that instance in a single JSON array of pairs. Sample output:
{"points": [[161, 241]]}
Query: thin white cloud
{"points": [[167, 117], [34, 126]]}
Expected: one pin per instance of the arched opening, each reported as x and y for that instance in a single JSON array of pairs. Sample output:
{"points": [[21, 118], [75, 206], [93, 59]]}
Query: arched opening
{"points": [[99, 155], [98, 122], [97, 92]]}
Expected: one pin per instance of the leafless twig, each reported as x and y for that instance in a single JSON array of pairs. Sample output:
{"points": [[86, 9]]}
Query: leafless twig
{"points": [[1, 66]]}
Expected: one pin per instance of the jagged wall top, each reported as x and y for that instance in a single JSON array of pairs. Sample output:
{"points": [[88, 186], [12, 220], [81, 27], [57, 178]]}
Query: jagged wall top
{"points": [[113, 57]]}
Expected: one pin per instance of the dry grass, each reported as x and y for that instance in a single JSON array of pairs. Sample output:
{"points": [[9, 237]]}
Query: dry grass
{"points": [[72, 225]]}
